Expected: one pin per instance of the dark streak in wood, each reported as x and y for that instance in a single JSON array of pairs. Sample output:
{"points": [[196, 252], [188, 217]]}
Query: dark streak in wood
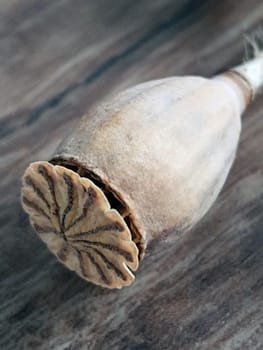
{"points": [[190, 7]]}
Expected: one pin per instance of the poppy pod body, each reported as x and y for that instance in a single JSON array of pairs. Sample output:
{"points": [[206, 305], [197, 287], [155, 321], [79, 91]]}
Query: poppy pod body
{"points": [[161, 151], [145, 164]]}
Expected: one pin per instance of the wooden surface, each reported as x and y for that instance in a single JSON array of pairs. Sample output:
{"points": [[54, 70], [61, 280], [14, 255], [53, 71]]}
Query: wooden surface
{"points": [[203, 291]]}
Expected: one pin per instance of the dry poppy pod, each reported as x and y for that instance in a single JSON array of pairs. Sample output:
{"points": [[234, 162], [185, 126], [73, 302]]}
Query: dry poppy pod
{"points": [[148, 163]]}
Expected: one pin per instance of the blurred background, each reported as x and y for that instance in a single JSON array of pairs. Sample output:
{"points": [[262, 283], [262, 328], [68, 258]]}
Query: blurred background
{"points": [[57, 59]]}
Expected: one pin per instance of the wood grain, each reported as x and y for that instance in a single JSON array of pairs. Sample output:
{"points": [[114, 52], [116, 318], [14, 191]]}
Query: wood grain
{"points": [[203, 291]]}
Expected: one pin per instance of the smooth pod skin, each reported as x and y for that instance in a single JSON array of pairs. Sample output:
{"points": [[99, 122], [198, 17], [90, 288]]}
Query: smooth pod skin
{"points": [[164, 148]]}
